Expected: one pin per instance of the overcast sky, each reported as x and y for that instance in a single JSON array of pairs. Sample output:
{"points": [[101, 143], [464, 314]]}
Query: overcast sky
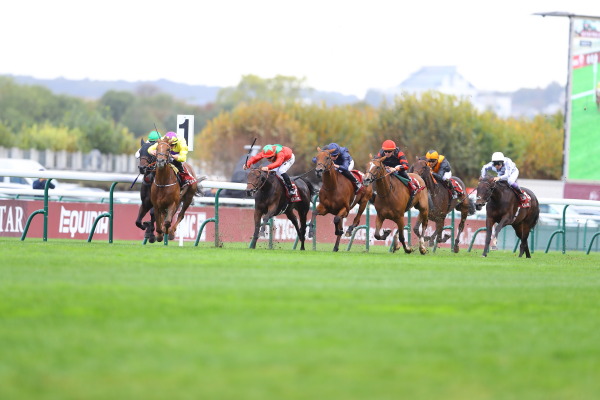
{"points": [[345, 46]]}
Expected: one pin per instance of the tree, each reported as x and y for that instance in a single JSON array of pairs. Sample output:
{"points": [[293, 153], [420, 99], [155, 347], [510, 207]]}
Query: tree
{"points": [[278, 90]]}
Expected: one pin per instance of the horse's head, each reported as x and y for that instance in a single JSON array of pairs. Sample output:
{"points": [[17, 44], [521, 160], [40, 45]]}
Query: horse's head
{"points": [[324, 161], [420, 167], [163, 153], [375, 170], [146, 161], [485, 187], [256, 180]]}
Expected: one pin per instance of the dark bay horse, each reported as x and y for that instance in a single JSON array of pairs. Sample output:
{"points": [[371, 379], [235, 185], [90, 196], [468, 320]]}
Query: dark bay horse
{"points": [[270, 199], [337, 196], [146, 166], [442, 203], [502, 207], [166, 193], [391, 202]]}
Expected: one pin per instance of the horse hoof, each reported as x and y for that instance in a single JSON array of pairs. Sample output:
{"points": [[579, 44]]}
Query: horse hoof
{"points": [[171, 236], [152, 239], [494, 248]]}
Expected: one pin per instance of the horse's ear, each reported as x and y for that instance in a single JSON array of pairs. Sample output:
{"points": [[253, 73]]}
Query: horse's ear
{"points": [[318, 148], [370, 156], [142, 141]]}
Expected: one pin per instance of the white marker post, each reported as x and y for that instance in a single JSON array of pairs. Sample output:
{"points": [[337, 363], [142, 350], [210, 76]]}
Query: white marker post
{"points": [[185, 129]]}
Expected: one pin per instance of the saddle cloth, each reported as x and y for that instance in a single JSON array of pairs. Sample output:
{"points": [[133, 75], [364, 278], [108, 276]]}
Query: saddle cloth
{"points": [[292, 199], [456, 186]]}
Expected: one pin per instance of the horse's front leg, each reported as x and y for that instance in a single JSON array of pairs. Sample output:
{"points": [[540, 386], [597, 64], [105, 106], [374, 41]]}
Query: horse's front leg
{"points": [[400, 223], [338, 223], [143, 210], [320, 210], [171, 210], [257, 225], [489, 224], [356, 221], [159, 225], [378, 224]]}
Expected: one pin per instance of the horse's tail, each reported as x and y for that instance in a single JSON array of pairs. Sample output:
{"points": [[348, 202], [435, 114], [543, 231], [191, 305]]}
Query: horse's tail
{"points": [[199, 187], [373, 196], [311, 188], [471, 206]]}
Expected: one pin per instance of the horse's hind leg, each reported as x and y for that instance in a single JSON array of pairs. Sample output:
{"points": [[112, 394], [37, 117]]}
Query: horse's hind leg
{"points": [[339, 230], [524, 246], [292, 217], [185, 205], [461, 227]]}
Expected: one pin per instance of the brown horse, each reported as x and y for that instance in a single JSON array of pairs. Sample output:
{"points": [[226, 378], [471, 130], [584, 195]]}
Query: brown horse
{"points": [[337, 196], [442, 203], [502, 207], [166, 193], [146, 166], [391, 202], [270, 199]]}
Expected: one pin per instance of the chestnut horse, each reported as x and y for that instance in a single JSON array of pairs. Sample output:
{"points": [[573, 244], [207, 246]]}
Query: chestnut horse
{"points": [[166, 193], [391, 202], [337, 196], [270, 199], [442, 203], [146, 166], [502, 207]]}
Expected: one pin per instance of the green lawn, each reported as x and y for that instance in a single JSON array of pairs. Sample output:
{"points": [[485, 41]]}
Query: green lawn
{"points": [[125, 321]]}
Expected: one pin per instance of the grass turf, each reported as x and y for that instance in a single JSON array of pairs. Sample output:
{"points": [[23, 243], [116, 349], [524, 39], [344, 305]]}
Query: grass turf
{"points": [[100, 321]]}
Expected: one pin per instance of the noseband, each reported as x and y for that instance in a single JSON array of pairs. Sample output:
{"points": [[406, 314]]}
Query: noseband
{"points": [[492, 186], [327, 164], [263, 180]]}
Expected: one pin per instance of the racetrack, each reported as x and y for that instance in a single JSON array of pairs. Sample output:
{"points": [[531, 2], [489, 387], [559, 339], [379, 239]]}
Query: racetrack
{"points": [[99, 321]]}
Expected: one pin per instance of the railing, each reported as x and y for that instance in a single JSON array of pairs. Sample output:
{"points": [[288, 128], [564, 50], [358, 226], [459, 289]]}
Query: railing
{"points": [[112, 196]]}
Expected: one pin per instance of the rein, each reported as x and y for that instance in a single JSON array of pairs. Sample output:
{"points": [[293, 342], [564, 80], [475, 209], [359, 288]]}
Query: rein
{"points": [[256, 188]]}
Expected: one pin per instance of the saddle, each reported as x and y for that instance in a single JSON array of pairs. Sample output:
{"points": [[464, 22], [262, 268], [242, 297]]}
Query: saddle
{"points": [[359, 178], [413, 184], [292, 199], [184, 177], [457, 188]]}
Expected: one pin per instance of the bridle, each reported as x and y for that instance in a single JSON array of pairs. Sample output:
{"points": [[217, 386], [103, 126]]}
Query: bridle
{"points": [[380, 174], [162, 159], [491, 185], [262, 178], [326, 165]]}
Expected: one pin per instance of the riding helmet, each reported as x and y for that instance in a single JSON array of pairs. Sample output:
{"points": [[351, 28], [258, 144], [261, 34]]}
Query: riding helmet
{"points": [[497, 156], [432, 155], [335, 147], [388, 145], [269, 151], [153, 136], [171, 137]]}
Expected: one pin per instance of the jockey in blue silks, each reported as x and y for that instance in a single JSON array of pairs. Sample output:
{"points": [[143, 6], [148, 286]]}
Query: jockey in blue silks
{"points": [[343, 162]]}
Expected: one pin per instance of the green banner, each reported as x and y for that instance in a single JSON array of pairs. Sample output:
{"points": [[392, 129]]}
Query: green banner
{"points": [[583, 139]]}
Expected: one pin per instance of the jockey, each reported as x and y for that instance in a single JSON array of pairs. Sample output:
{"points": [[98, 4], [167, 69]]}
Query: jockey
{"points": [[281, 158], [396, 160], [179, 150], [506, 170], [441, 169], [152, 138], [343, 162]]}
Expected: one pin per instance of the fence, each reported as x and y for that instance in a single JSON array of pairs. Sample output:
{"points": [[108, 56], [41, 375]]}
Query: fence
{"points": [[558, 235], [93, 161]]}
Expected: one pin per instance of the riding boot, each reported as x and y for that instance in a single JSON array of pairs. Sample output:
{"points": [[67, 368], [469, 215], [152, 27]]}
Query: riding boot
{"points": [[352, 179], [288, 184]]}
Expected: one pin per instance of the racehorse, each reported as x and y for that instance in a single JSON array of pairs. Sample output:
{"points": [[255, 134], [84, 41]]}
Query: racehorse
{"points": [[442, 203], [337, 197], [166, 193], [502, 206], [146, 166], [391, 202], [270, 199]]}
